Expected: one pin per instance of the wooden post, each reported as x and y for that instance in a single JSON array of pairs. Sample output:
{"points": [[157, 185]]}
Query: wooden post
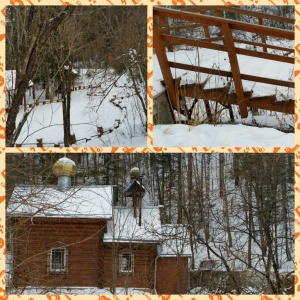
{"points": [[206, 29], [165, 67], [72, 139], [100, 131], [134, 201], [39, 143], [235, 69], [164, 23], [140, 201], [263, 38]]}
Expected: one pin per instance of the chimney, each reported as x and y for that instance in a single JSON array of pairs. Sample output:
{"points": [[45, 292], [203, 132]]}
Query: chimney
{"points": [[64, 169]]}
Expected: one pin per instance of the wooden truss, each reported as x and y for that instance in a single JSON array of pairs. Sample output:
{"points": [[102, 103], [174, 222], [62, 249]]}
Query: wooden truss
{"points": [[197, 17]]}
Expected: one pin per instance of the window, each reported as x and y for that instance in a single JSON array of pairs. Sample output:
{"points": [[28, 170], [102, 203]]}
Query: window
{"points": [[126, 262], [58, 260]]}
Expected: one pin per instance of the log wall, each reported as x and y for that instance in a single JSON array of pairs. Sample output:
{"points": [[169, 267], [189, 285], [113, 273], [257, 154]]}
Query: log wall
{"points": [[31, 251]]}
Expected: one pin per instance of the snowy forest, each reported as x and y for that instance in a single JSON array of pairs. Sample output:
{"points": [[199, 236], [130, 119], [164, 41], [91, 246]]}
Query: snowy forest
{"points": [[76, 75], [238, 209]]}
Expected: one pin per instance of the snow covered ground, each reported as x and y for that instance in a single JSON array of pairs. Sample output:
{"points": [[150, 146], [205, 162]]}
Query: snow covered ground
{"points": [[219, 136], [112, 104], [81, 291], [227, 135]]}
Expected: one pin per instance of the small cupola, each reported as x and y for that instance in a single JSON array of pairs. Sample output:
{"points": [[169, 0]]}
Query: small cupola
{"points": [[136, 191], [64, 169]]}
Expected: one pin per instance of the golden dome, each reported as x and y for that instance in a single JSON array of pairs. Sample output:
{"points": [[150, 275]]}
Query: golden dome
{"points": [[134, 173], [64, 167]]}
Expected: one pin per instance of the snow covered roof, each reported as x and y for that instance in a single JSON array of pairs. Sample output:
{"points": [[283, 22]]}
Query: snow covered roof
{"points": [[134, 186], [67, 160], [96, 202], [77, 202], [125, 228]]}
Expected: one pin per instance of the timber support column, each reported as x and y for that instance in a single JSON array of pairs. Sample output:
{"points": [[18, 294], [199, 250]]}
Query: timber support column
{"points": [[165, 67], [229, 43]]}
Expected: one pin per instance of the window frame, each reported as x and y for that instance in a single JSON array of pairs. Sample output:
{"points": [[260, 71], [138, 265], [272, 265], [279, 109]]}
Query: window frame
{"points": [[54, 270], [121, 260]]}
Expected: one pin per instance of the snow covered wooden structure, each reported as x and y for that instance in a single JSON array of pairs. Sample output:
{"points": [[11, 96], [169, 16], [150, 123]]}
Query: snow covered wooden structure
{"points": [[74, 237], [167, 36]]}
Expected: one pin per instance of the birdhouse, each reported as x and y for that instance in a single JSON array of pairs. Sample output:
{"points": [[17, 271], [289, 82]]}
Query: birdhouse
{"points": [[136, 191]]}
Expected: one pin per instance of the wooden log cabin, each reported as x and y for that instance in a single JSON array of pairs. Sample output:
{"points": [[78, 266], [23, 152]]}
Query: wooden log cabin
{"points": [[74, 237]]}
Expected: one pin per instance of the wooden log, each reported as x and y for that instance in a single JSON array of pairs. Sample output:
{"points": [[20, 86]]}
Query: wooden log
{"points": [[100, 131], [72, 139], [40, 142]]}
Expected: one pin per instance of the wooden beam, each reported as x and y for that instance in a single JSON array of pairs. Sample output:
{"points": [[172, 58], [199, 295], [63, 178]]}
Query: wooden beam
{"points": [[235, 69], [286, 106], [217, 94], [240, 11], [224, 73], [263, 37], [200, 43], [216, 21], [264, 45], [220, 95], [164, 65]]}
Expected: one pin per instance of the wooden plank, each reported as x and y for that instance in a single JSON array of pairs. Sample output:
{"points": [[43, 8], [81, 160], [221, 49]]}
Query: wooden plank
{"points": [[218, 72], [200, 43], [164, 65], [240, 11], [216, 21], [235, 69], [266, 45], [287, 107], [219, 95]]}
